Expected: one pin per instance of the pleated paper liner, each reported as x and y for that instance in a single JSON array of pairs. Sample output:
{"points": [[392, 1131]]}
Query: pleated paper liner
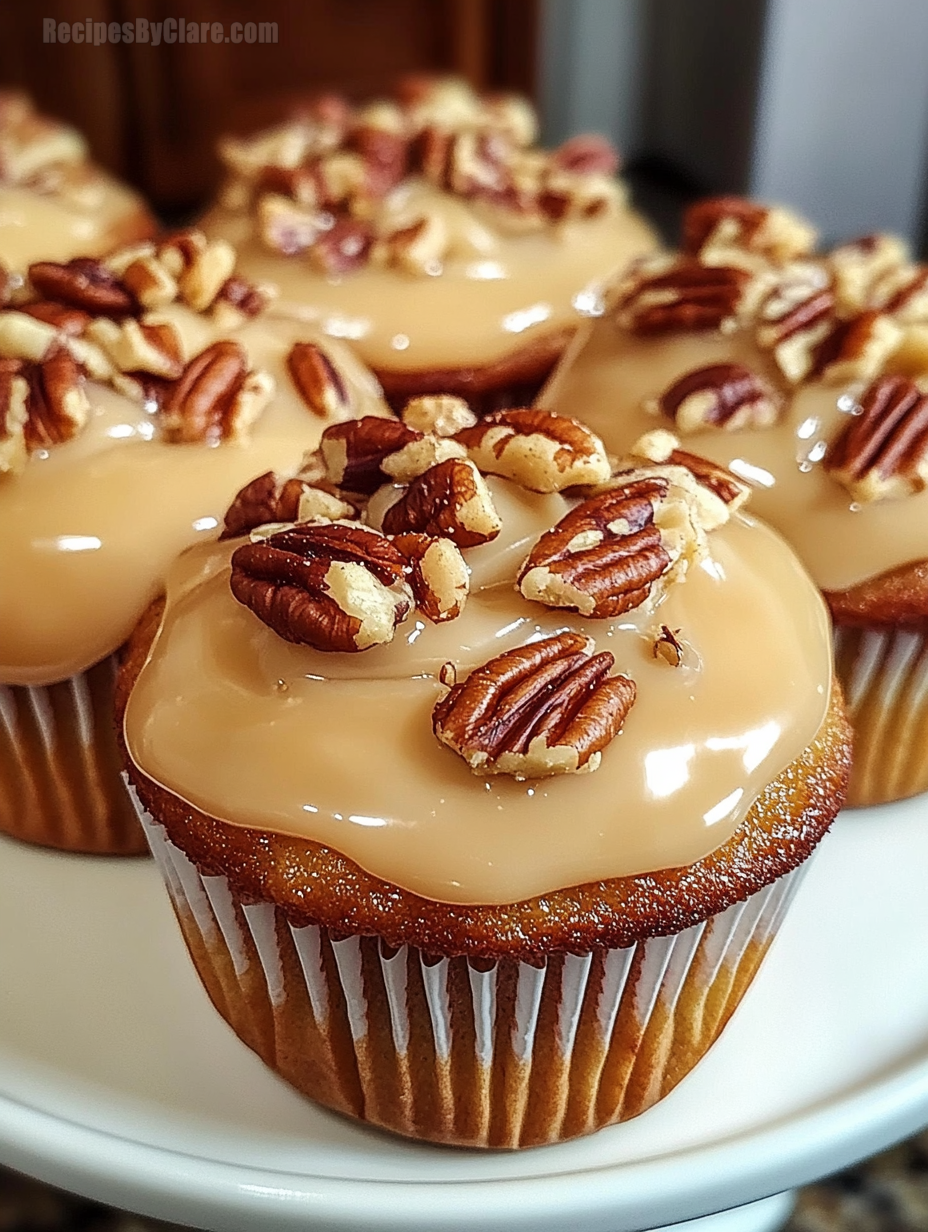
{"points": [[884, 673], [484, 1054], [60, 782]]}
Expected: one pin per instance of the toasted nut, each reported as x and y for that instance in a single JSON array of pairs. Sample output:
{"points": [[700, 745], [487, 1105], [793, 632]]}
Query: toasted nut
{"points": [[547, 708], [248, 405], [342, 175], [513, 115], [858, 267], [83, 283], [663, 296], [298, 184], [120, 260], [273, 498], [202, 404], [140, 347], [668, 647], [149, 282], [449, 501], [538, 449], [64, 320], [238, 301], [318, 381], [58, 407], [23, 336], [795, 317], [587, 153], [353, 451], [856, 350], [334, 586], [419, 456], [733, 222], [608, 555], [286, 227], [343, 247], [904, 294], [14, 411], [727, 396], [439, 578], [417, 249], [724, 488], [439, 414], [882, 453], [202, 280]]}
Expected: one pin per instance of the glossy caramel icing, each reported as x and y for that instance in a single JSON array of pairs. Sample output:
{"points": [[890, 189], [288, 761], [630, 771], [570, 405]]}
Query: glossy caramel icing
{"points": [[338, 748], [89, 528]]}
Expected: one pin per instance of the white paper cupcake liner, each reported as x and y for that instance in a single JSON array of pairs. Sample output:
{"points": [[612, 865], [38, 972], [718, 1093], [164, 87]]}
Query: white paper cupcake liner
{"points": [[491, 1054], [60, 782], [885, 678]]}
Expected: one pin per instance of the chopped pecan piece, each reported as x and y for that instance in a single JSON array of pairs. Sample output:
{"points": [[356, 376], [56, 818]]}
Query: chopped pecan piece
{"points": [[420, 456], [723, 223], [58, 407], [606, 556], [139, 346], [69, 321], [7, 285], [861, 265], [281, 498], [318, 381], [882, 453], [668, 647], [354, 450], [904, 294], [439, 578], [547, 708], [587, 153], [662, 448], [149, 282], [342, 248], [417, 249], [83, 283], [23, 336], [682, 296], [239, 300], [855, 350], [794, 318], [334, 586], [728, 396], [538, 449], [439, 414], [449, 501], [199, 266], [216, 398], [286, 227], [14, 411]]}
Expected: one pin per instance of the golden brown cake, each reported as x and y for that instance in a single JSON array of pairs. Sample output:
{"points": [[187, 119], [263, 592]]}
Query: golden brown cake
{"points": [[805, 375], [137, 394], [54, 202], [432, 234], [479, 810]]}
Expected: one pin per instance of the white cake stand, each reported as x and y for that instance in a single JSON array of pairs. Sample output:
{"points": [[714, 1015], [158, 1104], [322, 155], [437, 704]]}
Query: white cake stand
{"points": [[118, 1081]]}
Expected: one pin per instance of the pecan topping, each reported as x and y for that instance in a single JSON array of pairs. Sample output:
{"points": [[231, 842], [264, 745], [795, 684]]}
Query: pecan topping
{"points": [[439, 414], [286, 227], [216, 398], [83, 283], [662, 448], [419, 456], [862, 265], [417, 249], [668, 647], [281, 498], [685, 296], [855, 350], [354, 450], [69, 321], [318, 381], [14, 411], [547, 708], [882, 454], [540, 450], [587, 153], [723, 223], [449, 501], [135, 346], [728, 396], [333, 586], [56, 406], [795, 317], [605, 556], [438, 576], [344, 247]]}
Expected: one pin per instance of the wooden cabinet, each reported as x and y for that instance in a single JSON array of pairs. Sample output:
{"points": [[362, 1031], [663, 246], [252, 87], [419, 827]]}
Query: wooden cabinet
{"points": [[153, 112]]}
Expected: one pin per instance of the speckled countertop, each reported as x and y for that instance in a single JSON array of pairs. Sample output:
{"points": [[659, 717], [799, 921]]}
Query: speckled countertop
{"points": [[888, 1193]]}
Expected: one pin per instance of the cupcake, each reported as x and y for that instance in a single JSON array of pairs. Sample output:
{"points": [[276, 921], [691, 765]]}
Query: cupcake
{"points": [[137, 394], [471, 824], [805, 375], [55, 204], [432, 234]]}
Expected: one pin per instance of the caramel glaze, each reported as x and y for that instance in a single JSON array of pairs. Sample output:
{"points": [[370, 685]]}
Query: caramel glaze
{"points": [[89, 529], [496, 313], [267, 735], [871, 561]]}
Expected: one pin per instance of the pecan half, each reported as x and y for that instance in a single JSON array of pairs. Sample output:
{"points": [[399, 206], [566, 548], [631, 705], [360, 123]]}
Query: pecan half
{"points": [[438, 576], [728, 396], [83, 283], [215, 398], [547, 708], [280, 498], [734, 222], [605, 556], [683, 296], [538, 449], [449, 501], [354, 450], [318, 381], [58, 407], [882, 454], [334, 586]]}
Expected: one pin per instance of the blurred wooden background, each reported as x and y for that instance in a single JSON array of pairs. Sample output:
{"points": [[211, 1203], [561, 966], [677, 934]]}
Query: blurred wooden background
{"points": [[152, 114]]}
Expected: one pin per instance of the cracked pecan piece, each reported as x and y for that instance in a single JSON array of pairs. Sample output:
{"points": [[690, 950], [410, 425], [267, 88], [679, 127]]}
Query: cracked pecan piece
{"points": [[537, 449], [882, 453], [547, 708], [662, 447], [216, 398], [438, 576], [724, 223], [449, 501], [281, 498], [727, 396], [353, 451], [336, 586], [608, 555], [855, 350], [14, 411], [683, 295], [318, 381], [83, 283]]}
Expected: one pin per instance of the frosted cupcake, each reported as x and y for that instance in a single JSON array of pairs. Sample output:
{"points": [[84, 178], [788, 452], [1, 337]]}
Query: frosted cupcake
{"points": [[805, 375], [54, 202], [472, 827], [137, 394], [432, 234]]}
